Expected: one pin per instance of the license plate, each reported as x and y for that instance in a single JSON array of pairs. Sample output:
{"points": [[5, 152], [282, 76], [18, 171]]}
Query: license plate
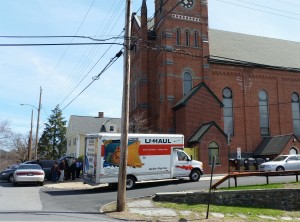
{"points": [[30, 174]]}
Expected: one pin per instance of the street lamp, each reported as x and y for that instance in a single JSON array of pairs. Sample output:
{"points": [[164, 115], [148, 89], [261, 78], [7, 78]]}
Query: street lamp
{"points": [[37, 124]]}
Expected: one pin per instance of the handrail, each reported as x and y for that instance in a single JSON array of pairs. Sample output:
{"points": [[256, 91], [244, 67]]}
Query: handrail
{"points": [[246, 174]]}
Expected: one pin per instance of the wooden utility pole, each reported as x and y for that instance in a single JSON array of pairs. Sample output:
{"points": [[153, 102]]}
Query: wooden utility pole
{"points": [[30, 137], [37, 126], [125, 113]]}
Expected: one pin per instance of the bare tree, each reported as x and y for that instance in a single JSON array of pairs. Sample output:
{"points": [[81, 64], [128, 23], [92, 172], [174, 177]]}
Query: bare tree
{"points": [[19, 147], [138, 123], [5, 132]]}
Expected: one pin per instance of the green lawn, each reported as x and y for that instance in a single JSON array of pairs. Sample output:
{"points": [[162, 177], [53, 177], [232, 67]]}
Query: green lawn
{"points": [[233, 211]]}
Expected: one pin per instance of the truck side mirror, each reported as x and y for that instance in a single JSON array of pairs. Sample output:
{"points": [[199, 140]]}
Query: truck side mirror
{"points": [[191, 157]]}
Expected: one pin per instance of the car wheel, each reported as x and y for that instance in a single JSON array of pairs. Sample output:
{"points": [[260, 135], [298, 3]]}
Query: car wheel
{"points": [[130, 182], [11, 178], [195, 175], [280, 168]]}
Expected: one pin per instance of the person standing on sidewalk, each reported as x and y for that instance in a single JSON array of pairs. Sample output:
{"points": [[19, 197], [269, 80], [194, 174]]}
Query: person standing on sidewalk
{"points": [[78, 167], [62, 167], [73, 169]]}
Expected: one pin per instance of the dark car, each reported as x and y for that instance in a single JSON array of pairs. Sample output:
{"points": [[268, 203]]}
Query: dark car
{"points": [[8, 174]]}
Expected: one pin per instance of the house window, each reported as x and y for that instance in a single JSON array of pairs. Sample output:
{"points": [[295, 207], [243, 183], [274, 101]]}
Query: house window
{"points": [[187, 38], [196, 43], [264, 113], [177, 36], [228, 111], [213, 151], [74, 141], [187, 82], [296, 113], [111, 128]]}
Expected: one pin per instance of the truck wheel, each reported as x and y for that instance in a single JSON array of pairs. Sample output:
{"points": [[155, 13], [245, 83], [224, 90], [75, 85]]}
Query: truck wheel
{"points": [[195, 175], [130, 182]]}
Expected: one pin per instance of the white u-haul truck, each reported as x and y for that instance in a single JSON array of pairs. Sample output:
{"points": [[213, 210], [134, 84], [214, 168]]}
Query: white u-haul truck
{"points": [[150, 157]]}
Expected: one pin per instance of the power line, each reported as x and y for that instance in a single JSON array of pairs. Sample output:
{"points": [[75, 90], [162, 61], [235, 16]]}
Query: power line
{"points": [[91, 54], [113, 60], [56, 36], [263, 6], [65, 51], [272, 13], [58, 44]]}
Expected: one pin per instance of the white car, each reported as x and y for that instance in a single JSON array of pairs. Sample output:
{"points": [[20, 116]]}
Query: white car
{"points": [[282, 163], [29, 173]]}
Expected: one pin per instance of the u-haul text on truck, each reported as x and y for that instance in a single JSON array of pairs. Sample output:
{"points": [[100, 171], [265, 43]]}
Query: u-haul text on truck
{"points": [[150, 157]]}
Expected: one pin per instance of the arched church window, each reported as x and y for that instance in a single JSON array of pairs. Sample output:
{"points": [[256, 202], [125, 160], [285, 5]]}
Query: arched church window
{"points": [[228, 111], [213, 151], [264, 113], [178, 36], [296, 113], [196, 43], [293, 150], [187, 38], [187, 82]]}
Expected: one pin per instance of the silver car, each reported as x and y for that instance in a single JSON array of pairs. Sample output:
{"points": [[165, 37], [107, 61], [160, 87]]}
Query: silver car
{"points": [[282, 163], [29, 173]]}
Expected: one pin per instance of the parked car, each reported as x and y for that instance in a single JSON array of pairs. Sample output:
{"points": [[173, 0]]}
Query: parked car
{"points": [[282, 163], [8, 174], [46, 166], [29, 173]]}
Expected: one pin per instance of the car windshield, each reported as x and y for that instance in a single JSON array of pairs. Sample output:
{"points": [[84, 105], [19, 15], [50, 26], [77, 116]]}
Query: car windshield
{"points": [[280, 158], [30, 166]]}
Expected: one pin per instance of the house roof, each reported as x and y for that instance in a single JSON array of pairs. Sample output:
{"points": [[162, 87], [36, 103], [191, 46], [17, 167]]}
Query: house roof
{"points": [[237, 48], [273, 145], [89, 124], [182, 102], [203, 129]]}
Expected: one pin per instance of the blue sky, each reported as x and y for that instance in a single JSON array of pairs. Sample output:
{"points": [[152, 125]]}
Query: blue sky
{"points": [[58, 69]]}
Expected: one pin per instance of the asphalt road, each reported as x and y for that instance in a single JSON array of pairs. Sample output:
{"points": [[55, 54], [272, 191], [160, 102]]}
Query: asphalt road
{"points": [[33, 203]]}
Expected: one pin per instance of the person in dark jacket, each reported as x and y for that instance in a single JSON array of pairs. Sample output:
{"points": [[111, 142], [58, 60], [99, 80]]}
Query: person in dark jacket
{"points": [[54, 172], [73, 169], [78, 167]]}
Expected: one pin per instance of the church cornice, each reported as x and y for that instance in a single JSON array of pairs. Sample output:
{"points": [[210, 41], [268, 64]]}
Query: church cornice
{"points": [[186, 18]]}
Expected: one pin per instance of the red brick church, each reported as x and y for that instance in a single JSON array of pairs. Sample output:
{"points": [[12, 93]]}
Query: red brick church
{"points": [[212, 85]]}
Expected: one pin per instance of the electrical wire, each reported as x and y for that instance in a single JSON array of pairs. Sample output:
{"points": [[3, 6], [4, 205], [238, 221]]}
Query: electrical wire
{"points": [[113, 60], [272, 13], [60, 44]]}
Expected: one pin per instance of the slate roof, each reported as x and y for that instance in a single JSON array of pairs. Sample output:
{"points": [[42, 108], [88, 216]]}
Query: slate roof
{"points": [[89, 124], [272, 145], [232, 47], [203, 129], [182, 102]]}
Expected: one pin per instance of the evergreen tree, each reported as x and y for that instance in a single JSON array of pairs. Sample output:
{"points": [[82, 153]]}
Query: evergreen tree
{"points": [[53, 142]]}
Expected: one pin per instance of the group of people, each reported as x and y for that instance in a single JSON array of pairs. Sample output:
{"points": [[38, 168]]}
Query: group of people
{"points": [[62, 171]]}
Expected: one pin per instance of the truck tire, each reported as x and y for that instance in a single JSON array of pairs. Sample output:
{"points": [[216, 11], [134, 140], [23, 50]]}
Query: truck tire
{"points": [[195, 175], [130, 183]]}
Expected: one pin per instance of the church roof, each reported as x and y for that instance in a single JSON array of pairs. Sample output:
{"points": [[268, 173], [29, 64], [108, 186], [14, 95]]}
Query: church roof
{"points": [[243, 49], [273, 145], [203, 129], [182, 102]]}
